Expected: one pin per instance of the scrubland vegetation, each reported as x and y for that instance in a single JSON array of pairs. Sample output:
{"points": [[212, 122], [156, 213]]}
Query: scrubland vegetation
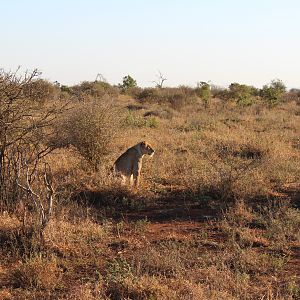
{"points": [[216, 216]]}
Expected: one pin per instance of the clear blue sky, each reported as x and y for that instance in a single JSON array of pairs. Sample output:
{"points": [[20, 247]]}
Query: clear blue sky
{"points": [[228, 41]]}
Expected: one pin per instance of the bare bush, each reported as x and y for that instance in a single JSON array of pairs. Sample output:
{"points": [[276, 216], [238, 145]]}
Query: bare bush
{"points": [[90, 128], [40, 90], [88, 90], [24, 124], [177, 98]]}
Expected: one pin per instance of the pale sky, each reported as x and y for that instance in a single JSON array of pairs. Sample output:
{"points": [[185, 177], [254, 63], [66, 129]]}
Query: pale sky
{"points": [[224, 41]]}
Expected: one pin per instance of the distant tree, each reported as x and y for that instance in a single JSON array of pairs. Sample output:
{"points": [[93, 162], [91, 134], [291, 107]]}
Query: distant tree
{"points": [[203, 91], [160, 80], [128, 82], [65, 88], [242, 93], [273, 93], [100, 77]]}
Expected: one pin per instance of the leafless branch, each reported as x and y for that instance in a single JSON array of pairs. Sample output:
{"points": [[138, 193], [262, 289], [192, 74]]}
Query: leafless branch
{"points": [[37, 197], [160, 80]]}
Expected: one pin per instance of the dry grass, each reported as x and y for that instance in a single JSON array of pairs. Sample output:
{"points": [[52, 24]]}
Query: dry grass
{"points": [[36, 273], [213, 218]]}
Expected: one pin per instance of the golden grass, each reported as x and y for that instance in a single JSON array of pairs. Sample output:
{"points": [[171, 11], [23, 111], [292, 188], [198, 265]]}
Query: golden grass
{"points": [[37, 273], [225, 164]]}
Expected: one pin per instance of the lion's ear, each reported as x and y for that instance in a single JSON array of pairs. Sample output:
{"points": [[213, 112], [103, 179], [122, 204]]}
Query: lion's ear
{"points": [[143, 143]]}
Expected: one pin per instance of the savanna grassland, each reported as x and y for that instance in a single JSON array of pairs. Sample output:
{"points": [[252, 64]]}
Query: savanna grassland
{"points": [[217, 213]]}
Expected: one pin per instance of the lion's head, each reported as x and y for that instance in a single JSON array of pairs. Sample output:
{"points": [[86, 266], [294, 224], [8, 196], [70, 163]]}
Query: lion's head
{"points": [[146, 148]]}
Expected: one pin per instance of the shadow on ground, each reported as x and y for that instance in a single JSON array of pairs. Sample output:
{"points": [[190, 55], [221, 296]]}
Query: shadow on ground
{"points": [[181, 205], [172, 204]]}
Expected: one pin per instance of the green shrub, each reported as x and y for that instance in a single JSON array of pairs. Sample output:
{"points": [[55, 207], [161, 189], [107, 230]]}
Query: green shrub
{"points": [[128, 83], [117, 270], [65, 88], [242, 94], [152, 122], [273, 93], [203, 91], [134, 120]]}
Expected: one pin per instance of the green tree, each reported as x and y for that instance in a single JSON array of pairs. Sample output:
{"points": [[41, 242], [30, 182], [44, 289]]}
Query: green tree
{"points": [[203, 91], [272, 93], [128, 82], [242, 93]]}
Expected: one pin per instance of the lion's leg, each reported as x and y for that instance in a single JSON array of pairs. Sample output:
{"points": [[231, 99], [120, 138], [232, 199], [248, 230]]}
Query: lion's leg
{"points": [[123, 180], [131, 180], [136, 180], [136, 177]]}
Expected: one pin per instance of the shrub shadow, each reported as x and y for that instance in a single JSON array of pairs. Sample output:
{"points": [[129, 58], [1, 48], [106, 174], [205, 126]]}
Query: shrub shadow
{"points": [[181, 205]]}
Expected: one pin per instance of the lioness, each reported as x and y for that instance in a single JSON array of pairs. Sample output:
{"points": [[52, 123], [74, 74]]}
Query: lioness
{"points": [[129, 164]]}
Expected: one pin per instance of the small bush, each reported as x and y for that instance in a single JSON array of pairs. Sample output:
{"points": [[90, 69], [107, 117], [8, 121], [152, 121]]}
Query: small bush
{"points": [[122, 283], [128, 83], [148, 94], [242, 94], [272, 94], [91, 129], [88, 90], [152, 122], [133, 91], [39, 90], [134, 120], [177, 98], [282, 224], [204, 92]]}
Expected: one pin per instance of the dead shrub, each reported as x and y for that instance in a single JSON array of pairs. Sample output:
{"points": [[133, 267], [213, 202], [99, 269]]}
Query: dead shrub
{"points": [[90, 128], [177, 98], [227, 180], [249, 149], [40, 90], [148, 95], [89, 90], [25, 122]]}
